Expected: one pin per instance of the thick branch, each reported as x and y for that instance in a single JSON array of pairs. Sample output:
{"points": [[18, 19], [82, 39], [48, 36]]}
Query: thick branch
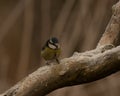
{"points": [[112, 32], [79, 69]]}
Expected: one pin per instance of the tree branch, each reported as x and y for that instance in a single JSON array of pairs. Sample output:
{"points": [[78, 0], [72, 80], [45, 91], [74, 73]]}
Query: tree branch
{"points": [[78, 69], [112, 32]]}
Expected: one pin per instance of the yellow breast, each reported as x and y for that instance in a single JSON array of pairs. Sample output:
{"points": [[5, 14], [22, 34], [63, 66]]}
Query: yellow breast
{"points": [[49, 54]]}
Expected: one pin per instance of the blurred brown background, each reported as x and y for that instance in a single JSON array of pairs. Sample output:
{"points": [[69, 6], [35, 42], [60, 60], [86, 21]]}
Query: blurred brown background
{"points": [[25, 25]]}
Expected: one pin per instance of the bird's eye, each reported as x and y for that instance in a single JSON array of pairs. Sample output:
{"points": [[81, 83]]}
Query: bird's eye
{"points": [[52, 46]]}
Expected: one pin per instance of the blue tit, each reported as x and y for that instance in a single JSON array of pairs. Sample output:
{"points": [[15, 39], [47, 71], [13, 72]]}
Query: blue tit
{"points": [[51, 50]]}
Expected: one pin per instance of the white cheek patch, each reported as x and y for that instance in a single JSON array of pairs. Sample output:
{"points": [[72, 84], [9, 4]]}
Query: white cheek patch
{"points": [[52, 46]]}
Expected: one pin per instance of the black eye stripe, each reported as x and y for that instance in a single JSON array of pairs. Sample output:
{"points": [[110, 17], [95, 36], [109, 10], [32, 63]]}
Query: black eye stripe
{"points": [[56, 46], [48, 42]]}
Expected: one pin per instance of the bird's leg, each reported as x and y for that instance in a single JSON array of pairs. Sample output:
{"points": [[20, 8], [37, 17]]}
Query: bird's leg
{"points": [[57, 60], [47, 63]]}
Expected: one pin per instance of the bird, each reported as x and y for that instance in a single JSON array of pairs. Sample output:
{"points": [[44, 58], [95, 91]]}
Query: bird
{"points": [[51, 50]]}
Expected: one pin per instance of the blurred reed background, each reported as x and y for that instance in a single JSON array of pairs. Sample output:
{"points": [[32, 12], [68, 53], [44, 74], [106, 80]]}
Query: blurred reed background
{"points": [[25, 25]]}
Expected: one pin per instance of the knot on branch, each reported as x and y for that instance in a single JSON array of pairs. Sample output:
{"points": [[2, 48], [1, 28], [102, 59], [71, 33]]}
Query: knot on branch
{"points": [[12, 92], [94, 52], [106, 47]]}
